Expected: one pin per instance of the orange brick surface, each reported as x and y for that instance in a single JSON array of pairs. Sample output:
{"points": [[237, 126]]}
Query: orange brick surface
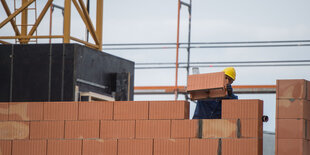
{"points": [[4, 111], [308, 90], [117, 129], [292, 147], [293, 108], [206, 81], [242, 146], [242, 109], [291, 129], [131, 110], [95, 110], [5, 147], [14, 130], [60, 110], [64, 147], [26, 111], [47, 129], [198, 95], [169, 110], [135, 147], [203, 146], [219, 128], [251, 128], [184, 128], [29, 147], [100, 147], [153, 129], [308, 131], [287, 89], [171, 146], [81, 129]]}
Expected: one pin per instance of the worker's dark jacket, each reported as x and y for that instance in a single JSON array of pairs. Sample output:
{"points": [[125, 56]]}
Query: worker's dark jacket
{"points": [[211, 108]]}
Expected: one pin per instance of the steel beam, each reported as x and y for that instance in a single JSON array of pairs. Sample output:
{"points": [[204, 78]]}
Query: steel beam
{"points": [[67, 21], [4, 42], [42, 14], [99, 21], [86, 19], [28, 37], [8, 12], [22, 8], [24, 23]]}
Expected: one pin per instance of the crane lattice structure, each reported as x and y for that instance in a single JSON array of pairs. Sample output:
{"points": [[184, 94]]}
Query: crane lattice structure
{"points": [[24, 36]]}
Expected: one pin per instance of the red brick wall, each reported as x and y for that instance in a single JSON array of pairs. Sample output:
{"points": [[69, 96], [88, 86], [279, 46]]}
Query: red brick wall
{"points": [[293, 117], [125, 128]]}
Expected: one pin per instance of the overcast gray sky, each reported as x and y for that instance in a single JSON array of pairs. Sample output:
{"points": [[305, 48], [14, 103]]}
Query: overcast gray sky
{"points": [[144, 21]]}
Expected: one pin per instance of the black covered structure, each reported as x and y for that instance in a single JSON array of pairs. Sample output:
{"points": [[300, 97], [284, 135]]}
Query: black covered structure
{"points": [[53, 72]]}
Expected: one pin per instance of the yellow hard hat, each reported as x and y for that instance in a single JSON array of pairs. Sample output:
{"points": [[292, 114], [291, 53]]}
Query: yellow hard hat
{"points": [[230, 71]]}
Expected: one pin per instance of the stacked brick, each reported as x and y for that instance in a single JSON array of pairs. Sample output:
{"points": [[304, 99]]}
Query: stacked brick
{"points": [[128, 128], [209, 85], [293, 117]]}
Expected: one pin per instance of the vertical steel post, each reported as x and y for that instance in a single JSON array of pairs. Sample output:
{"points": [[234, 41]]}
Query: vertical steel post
{"points": [[177, 53], [51, 23], [99, 21], [24, 22], [189, 41], [87, 32], [67, 21], [189, 36]]}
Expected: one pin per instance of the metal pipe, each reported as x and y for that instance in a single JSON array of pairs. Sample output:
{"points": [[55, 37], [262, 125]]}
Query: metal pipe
{"points": [[177, 52], [238, 42], [189, 36], [51, 16], [216, 66], [237, 46]]}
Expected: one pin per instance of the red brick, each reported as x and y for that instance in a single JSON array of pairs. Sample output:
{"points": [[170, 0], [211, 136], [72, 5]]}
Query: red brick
{"points": [[242, 146], [95, 110], [292, 146], [219, 128], [60, 110], [29, 147], [153, 129], [47, 129], [242, 109], [171, 146], [198, 95], [81, 129], [251, 128], [131, 110], [293, 108], [135, 147], [97, 147], [308, 132], [308, 91], [117, 129], [169, 110], [291, 129], [14, 130], [287, 89], [5, 147], [26, 111], [64, 147], [203, 146], [184, 128], [4, 111], [206, 81]]}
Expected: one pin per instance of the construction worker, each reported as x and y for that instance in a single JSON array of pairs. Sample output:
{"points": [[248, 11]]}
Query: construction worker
{"points": [[212, 108]]}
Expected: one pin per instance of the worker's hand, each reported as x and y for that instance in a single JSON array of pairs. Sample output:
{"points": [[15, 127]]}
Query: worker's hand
{"points": [[229, 90]]}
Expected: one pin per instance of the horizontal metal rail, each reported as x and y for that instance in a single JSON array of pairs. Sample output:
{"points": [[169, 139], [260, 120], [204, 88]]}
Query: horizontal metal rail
{"points": [[238, 89]]}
